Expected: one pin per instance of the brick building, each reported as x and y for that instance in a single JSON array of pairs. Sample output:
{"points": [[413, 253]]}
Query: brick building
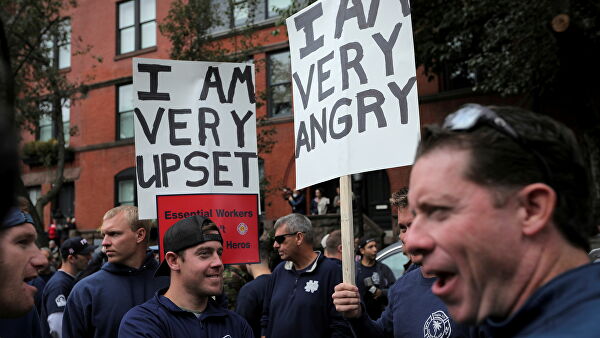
{"points": [[101, 173]]}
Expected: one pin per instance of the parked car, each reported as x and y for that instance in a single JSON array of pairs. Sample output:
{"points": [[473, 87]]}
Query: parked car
{"points": [[393, 257]]}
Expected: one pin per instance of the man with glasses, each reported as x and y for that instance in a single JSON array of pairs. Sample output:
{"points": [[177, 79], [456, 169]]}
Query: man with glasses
{"points": [[502, 213], [298, 301]]}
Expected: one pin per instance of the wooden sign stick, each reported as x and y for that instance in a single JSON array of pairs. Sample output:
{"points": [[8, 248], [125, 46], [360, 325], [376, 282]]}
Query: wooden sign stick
{"points": [[347, 223]]}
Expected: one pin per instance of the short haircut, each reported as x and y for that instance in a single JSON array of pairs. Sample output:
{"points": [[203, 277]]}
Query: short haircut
{"points": [[333, 241], [400, 198], [297, 223], [131, 216], [501, 164]]}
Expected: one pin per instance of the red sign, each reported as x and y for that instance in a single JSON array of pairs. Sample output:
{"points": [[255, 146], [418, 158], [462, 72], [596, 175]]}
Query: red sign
{"points": [[236, 215]]}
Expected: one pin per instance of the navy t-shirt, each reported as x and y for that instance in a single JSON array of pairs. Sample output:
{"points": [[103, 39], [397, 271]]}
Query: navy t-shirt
{"points": [[378, 275], [413, 311], [54, 298], [250, 301]]}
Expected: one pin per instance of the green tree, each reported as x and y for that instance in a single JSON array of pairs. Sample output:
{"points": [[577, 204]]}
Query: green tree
{"points": [[543, 52], [34, 31]]}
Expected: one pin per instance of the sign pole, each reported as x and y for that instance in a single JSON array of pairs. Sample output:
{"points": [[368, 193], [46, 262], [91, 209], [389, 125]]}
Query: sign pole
{"points": [[347, 225]]}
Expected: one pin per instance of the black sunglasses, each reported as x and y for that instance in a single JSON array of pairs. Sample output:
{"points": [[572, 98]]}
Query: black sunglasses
{"points": [[281, 238], [471, 116]]}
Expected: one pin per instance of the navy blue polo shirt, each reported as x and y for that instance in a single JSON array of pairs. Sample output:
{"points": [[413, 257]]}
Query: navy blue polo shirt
{"points": [[299, 303]]}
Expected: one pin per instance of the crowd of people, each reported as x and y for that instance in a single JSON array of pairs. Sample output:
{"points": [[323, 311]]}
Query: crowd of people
{"points": [[496, 222]]}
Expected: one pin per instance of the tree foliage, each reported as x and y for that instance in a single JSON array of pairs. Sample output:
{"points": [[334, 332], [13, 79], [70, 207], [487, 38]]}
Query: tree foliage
{"points": [[33, 30]]}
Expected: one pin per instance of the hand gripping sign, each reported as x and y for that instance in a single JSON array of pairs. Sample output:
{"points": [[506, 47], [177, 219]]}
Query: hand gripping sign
{"points": [[195, 133]]}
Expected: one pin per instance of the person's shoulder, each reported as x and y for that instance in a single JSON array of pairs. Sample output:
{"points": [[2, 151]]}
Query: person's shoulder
{"points": [[235, 318], [329, 263], [147, 311]]}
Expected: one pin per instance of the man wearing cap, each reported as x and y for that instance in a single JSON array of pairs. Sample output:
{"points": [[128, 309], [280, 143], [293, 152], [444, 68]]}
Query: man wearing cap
{"points": [[298, 301], [98, 302], [192, 257], [20, 259], [75, 253], [372, 278]]}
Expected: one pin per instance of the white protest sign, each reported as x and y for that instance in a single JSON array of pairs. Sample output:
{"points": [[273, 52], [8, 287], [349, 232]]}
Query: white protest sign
{"points": [[195, 129], [354, 85]]}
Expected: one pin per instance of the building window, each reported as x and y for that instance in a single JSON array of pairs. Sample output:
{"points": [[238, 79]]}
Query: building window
{"points": [[46, 129], [58, 47], [63, 205], [125, 111], [136, 25], [274, 6], [280, 87], [125, 192], [240, 13]]}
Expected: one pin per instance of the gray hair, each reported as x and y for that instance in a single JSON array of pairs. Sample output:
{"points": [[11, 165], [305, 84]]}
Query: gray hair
{"points": [[297, 223]]}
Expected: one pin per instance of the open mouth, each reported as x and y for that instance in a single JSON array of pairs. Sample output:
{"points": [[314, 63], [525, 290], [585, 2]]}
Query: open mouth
{"points": [[444, 283]]}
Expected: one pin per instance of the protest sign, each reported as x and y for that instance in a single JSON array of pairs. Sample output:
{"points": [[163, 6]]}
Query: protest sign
{"points": [[354, 87], [236, 215], [195, 130]]}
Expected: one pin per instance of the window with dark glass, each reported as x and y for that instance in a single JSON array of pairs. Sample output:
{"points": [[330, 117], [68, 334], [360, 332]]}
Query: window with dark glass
{"points": [[280, 86], [125, 111], [63, 205], [136, 25], [125, 189]]}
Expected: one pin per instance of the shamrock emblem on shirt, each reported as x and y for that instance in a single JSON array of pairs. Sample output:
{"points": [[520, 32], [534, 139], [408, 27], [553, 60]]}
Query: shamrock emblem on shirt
{"points": [[311, 286]]}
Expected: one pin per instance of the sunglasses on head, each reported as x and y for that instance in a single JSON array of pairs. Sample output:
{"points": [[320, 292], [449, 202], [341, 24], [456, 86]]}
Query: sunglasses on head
{"points": [[281, 238], [471, 116]]}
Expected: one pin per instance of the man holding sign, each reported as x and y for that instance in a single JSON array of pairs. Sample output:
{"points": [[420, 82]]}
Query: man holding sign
{"points": [[192, 249]]}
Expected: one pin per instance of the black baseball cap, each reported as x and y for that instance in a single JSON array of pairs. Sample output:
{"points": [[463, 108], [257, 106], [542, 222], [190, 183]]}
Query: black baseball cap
{"points": [[76, 246], [365, 241], [185, 234]]}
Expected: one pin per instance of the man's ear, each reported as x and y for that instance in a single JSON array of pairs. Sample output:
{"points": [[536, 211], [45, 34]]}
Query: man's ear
{"points": [[173, 261], [299, 238], [140, 235], [538, 201]]}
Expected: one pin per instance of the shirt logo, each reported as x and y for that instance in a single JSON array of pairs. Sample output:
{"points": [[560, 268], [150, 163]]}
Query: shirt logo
{"points": [[375, 278], [61, 301], [242, 228], [311, 286], [437, 326]]}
